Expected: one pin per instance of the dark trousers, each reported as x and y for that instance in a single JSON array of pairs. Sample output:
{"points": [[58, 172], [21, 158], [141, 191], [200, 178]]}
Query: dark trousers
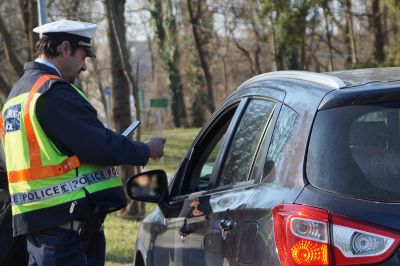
{"points": [[59, 246], [13, 249]]}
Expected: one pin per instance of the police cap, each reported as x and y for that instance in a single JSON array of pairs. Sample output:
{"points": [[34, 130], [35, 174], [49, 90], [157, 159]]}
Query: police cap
{"points": [[76, 32]]}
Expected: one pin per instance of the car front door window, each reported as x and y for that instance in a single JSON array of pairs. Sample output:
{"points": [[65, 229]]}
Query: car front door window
{"points": [[245, 143], [204, 158]]}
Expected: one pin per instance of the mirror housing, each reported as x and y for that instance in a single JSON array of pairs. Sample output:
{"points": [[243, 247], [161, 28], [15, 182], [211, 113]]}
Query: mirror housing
{"points": [[149, 186]]}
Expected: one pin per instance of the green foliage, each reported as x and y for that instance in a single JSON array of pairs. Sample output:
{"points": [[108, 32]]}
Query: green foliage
{"points": [[291, 19], [394, 5], [393, 53]]}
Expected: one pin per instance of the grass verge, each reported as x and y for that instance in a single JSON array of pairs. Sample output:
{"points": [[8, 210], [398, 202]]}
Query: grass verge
{"points": [[121, 236], [120, 232]]}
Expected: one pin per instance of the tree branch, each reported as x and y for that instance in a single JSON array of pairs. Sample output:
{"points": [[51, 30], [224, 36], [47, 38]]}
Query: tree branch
{"points": [[12, 58]]}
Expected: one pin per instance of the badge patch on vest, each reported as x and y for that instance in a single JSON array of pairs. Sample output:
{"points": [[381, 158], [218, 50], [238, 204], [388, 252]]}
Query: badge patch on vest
{"points": [[12, 118]]}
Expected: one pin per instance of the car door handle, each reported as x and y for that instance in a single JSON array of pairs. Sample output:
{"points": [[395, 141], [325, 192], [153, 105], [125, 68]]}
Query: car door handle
{"points": [[227, 225], [185, 230]]}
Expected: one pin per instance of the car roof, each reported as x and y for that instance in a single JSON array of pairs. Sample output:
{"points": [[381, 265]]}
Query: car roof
{"points": [[339, 88], [359, 77], [329, 81], [335, 80]]}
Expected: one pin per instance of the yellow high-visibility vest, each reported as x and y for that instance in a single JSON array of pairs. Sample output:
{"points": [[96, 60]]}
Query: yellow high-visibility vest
{"points": [[39, 175]]}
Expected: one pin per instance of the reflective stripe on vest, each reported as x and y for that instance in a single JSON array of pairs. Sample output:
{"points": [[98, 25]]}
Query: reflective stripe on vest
{"points": [[66, 187]]}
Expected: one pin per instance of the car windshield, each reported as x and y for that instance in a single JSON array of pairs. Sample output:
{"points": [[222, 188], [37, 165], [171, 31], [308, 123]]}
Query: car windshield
{"points": [[355, 151]]}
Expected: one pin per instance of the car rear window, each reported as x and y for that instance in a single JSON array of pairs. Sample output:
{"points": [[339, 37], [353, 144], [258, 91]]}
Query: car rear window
{"points": [[355, 151]]}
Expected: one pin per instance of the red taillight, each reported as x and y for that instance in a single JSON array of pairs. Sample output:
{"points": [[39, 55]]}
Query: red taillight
{"points": [[301, 235], [307, 235]]}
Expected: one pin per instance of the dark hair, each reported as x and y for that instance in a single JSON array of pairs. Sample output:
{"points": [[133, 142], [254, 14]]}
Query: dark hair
{"points": [[48, 46]]}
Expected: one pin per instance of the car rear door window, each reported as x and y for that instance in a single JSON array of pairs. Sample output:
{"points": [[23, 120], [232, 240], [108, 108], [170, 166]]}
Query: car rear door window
{"points": [[283, 130], [246, 141], [355, 150]]}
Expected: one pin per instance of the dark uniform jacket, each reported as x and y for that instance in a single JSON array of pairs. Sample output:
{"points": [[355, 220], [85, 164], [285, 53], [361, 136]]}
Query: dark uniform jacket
{"points": [[72, 125]]}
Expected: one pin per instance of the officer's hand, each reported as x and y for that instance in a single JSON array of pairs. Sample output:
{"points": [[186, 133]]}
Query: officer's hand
{"points": [[156, 146]]}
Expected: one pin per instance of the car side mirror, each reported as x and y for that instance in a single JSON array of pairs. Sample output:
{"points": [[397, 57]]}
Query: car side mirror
{"points": [[149, 186]]}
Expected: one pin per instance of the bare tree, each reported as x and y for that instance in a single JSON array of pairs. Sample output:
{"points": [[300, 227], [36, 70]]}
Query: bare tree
{"points": [[377, 29], [122, 79], [9, 48], [29, 15], [195, 14], [256, 29], [328, 32], [351, 59], [165, 28], [18, 46]]}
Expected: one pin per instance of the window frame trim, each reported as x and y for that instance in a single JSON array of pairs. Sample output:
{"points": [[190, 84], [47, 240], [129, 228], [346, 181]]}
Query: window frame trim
{"points": [[230, 134], [222, 154], [179, 181], [267, 132], [267, 135]]}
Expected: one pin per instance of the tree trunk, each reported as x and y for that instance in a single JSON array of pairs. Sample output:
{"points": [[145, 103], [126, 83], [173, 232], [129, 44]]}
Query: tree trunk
{"points": [[257, 55], [10, 53], [122, 80], [301, 22], [349, 39], [175, 73], [101, 90], [274, 46], [194, 20], [166, 31], [328, 31], [29, 15], [247, 55], [376, 25], [4, 91]]}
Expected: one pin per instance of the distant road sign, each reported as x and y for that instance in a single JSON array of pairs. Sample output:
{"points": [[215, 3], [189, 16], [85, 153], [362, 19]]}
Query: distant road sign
{"points": [[159, 102]]}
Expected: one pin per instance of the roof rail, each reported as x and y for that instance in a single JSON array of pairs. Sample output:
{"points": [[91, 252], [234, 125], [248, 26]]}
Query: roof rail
{"points": [[319, 78]]}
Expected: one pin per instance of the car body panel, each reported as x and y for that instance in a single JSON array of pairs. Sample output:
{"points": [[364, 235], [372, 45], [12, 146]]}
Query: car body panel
{"points": [[249, 204]]}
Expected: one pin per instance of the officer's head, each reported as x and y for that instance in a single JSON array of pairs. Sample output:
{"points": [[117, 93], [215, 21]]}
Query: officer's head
{"points": [[66, 44]]}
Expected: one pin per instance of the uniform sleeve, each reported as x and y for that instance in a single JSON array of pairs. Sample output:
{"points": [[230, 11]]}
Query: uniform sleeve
{"points": [[72, 125]]}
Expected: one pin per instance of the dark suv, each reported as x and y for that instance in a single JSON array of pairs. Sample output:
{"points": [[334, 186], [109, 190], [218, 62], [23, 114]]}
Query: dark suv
{"points": [[294, 168]]}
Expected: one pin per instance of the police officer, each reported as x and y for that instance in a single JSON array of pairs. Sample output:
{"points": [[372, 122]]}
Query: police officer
{"points": [[58, 152]]}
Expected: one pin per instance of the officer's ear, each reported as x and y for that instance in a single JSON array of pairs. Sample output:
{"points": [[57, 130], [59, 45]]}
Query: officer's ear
{"points": [[65, 48]]}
